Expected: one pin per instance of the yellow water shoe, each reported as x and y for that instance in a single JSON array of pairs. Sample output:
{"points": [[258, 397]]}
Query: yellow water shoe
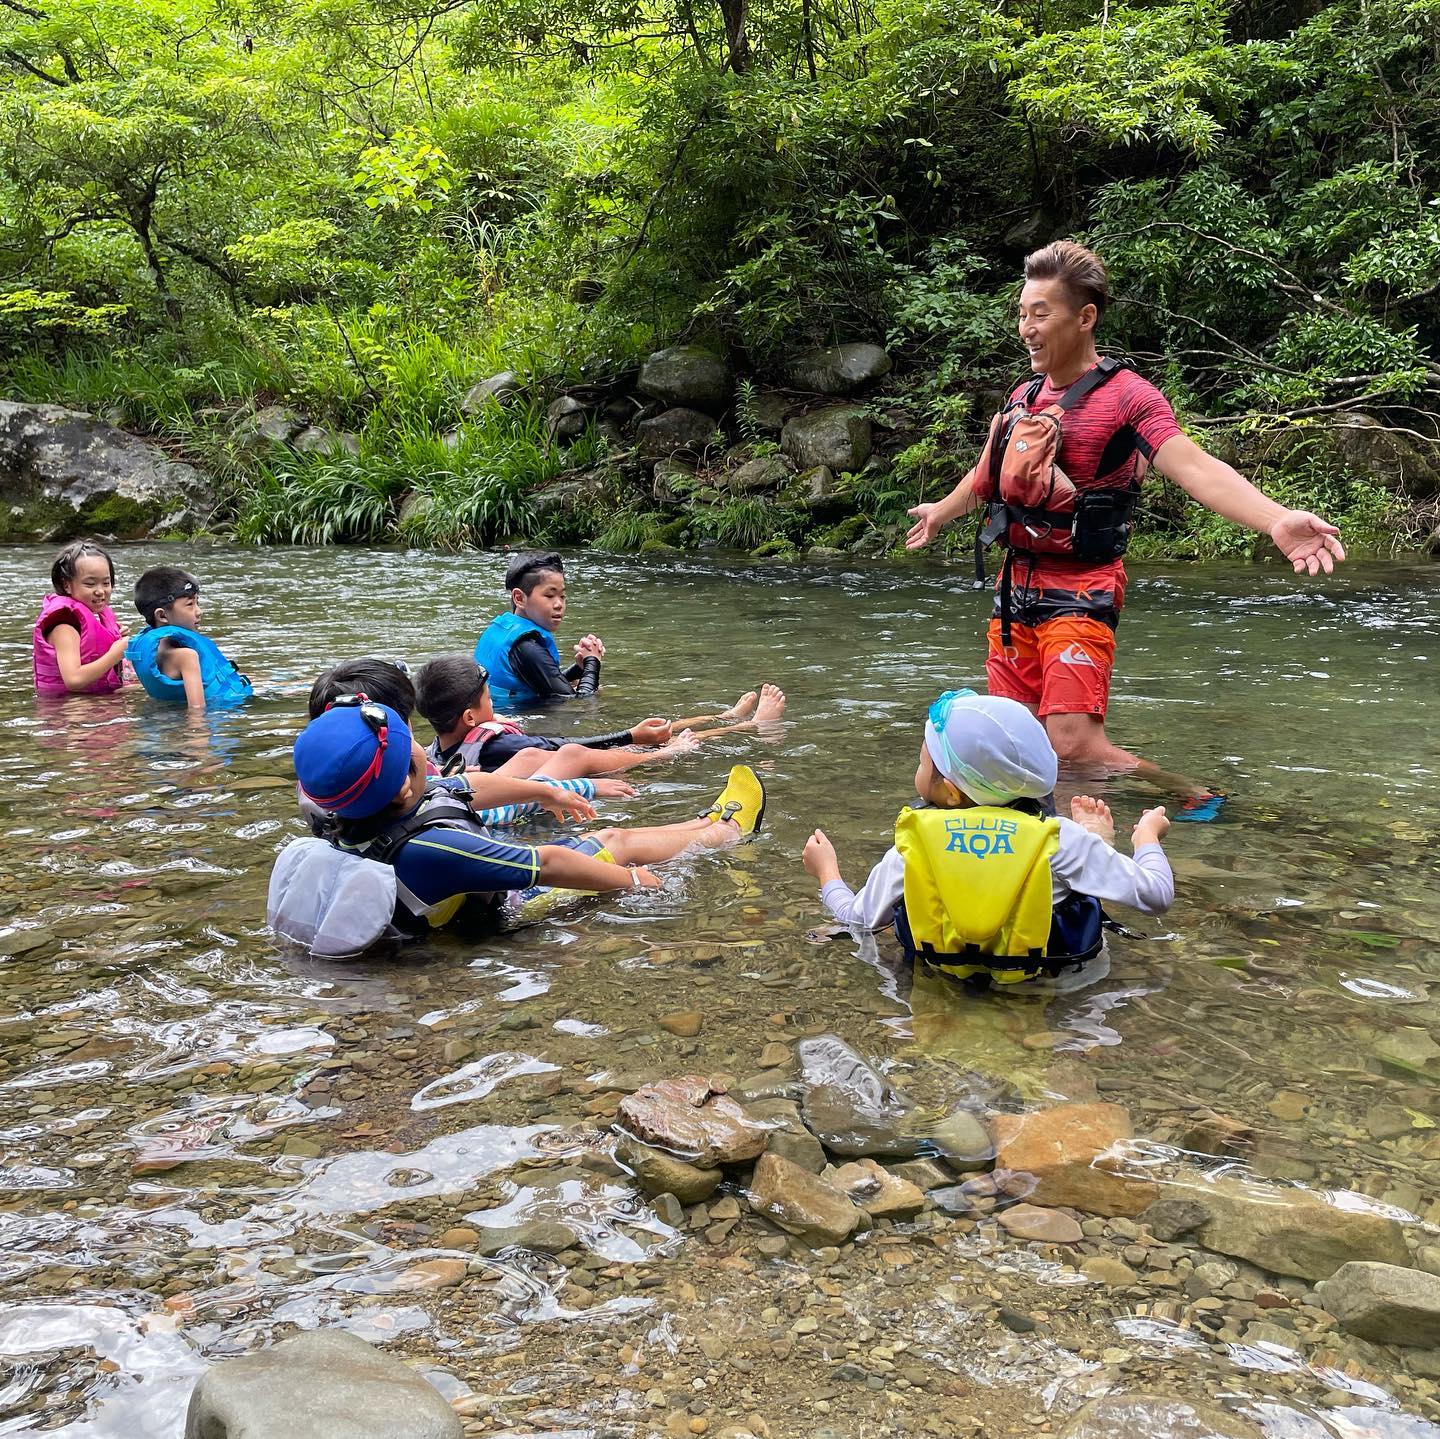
{"points": [[742, 801]]}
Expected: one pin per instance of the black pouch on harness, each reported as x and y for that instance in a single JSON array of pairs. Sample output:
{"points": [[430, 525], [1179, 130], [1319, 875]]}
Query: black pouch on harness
{"points": [[1104, 520]]}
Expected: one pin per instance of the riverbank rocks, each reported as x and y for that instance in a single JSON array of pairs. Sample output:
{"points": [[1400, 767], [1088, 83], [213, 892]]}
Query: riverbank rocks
{"points": [[1149, 1416], [660, 1173], [675, 432], [1385, 1303], [689, 377], [757, 476], [1072, 1155], [565, 420], [848, 1106], [65, 473], [840, 369], [803, 1203], [686, 1116], [838, 436], [322, 1385], [498, 390]]}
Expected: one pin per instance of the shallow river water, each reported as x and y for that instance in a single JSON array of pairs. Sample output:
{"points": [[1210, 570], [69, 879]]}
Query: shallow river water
{"points": [[205, 1143]]}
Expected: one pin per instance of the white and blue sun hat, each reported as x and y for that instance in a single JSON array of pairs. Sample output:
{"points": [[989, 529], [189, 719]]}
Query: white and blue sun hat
{"points": [[993, 749]]}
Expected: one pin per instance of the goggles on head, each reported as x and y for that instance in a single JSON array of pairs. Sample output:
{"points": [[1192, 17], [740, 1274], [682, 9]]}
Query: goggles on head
{"points": [[937, 716], [185, 591]]}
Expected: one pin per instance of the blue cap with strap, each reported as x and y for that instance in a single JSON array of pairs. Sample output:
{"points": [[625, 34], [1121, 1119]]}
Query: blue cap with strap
{"points": [[352, 761]]}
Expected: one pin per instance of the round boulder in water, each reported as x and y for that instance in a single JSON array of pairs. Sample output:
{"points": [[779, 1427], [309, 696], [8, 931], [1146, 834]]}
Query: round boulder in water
{"points": [[1149, 1416], [324, 1385]]}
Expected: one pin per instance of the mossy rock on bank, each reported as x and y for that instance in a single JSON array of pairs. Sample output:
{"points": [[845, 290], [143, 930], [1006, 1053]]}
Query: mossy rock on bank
{"points": [[64, 473]]}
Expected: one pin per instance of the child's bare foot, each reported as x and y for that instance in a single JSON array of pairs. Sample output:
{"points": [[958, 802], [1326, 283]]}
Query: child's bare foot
{"points": [[742, 707], [1094, 815], [771, 706]]}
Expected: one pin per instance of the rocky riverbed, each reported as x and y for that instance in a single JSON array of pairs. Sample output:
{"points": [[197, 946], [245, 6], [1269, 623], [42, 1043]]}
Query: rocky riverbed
{"points": [[685, 1162]]}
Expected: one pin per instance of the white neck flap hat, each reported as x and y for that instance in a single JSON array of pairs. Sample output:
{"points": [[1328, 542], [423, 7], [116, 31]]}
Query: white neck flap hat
{"points": [[993, 749]]}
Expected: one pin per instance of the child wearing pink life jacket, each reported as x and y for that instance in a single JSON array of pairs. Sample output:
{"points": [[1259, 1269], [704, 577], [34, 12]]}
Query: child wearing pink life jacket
{"points": [[77, 646]]}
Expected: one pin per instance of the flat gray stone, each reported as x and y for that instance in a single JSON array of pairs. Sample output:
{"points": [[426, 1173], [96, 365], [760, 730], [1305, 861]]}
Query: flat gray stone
{"points": [[1294, 1231], [323, 1385], [542, 1236]]}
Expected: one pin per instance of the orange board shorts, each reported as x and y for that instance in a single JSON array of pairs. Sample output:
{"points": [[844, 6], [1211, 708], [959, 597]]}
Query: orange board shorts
{"points": [[1060, 666]]}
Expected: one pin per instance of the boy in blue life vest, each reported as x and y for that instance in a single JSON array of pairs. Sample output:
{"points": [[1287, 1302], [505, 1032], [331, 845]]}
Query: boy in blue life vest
{"points": [[980, 883], [172, 659], [518, 649]]}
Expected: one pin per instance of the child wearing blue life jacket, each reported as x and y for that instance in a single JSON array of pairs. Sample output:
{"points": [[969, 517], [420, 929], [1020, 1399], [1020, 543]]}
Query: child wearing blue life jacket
{"points": [[76, 645], [172, 659], [518, 649], [979, 883]]}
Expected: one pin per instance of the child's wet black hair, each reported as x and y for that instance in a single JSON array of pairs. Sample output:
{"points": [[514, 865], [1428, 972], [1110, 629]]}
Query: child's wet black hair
{"points": [[162, 586], [446, 687], [524, 572], [380, 680], [68, 560]]}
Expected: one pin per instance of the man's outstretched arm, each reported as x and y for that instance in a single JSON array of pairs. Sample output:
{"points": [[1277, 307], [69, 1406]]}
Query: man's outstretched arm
{"points": [[1308, 542]]}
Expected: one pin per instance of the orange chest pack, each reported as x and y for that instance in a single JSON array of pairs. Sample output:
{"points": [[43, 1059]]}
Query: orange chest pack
{"points": [[1032, 505]]}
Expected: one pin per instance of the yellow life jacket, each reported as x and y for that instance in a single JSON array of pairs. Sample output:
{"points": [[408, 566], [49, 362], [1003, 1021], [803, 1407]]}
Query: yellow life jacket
{"points": [[977, 890]]}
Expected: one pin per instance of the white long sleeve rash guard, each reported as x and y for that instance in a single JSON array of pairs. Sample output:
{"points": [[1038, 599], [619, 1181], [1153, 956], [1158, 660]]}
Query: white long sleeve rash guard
{"points": [[1083, 864]]}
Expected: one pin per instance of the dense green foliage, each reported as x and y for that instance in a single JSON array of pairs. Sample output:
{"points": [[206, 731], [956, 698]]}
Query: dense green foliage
{"points": [[361, 206]]}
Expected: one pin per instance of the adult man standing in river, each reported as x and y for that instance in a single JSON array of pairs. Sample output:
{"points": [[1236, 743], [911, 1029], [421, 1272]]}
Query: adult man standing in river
{"points": [[1063, 610]]}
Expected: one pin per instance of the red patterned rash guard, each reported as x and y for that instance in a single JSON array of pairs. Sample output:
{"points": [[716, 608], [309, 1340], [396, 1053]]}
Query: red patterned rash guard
{"points": [[1046, 587]]}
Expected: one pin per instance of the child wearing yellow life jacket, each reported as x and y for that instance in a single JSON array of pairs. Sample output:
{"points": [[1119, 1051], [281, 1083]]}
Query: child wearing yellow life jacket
{"points": [[979, 883]]}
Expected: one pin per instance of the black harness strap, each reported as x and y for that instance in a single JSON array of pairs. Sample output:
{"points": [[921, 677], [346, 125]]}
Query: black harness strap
{"points": [[1001, 516]]}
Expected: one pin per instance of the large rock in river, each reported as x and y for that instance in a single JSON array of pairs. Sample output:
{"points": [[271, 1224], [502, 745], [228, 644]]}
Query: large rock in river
{"points": [[802, 1202], [65, 473], [1292, 1231], [688, 376], [1074, 1157], [840, 369], [850, 1107], [837, 436], [323, 1385], [687, 1117], [1151, 1416], [1385, 1303]]}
